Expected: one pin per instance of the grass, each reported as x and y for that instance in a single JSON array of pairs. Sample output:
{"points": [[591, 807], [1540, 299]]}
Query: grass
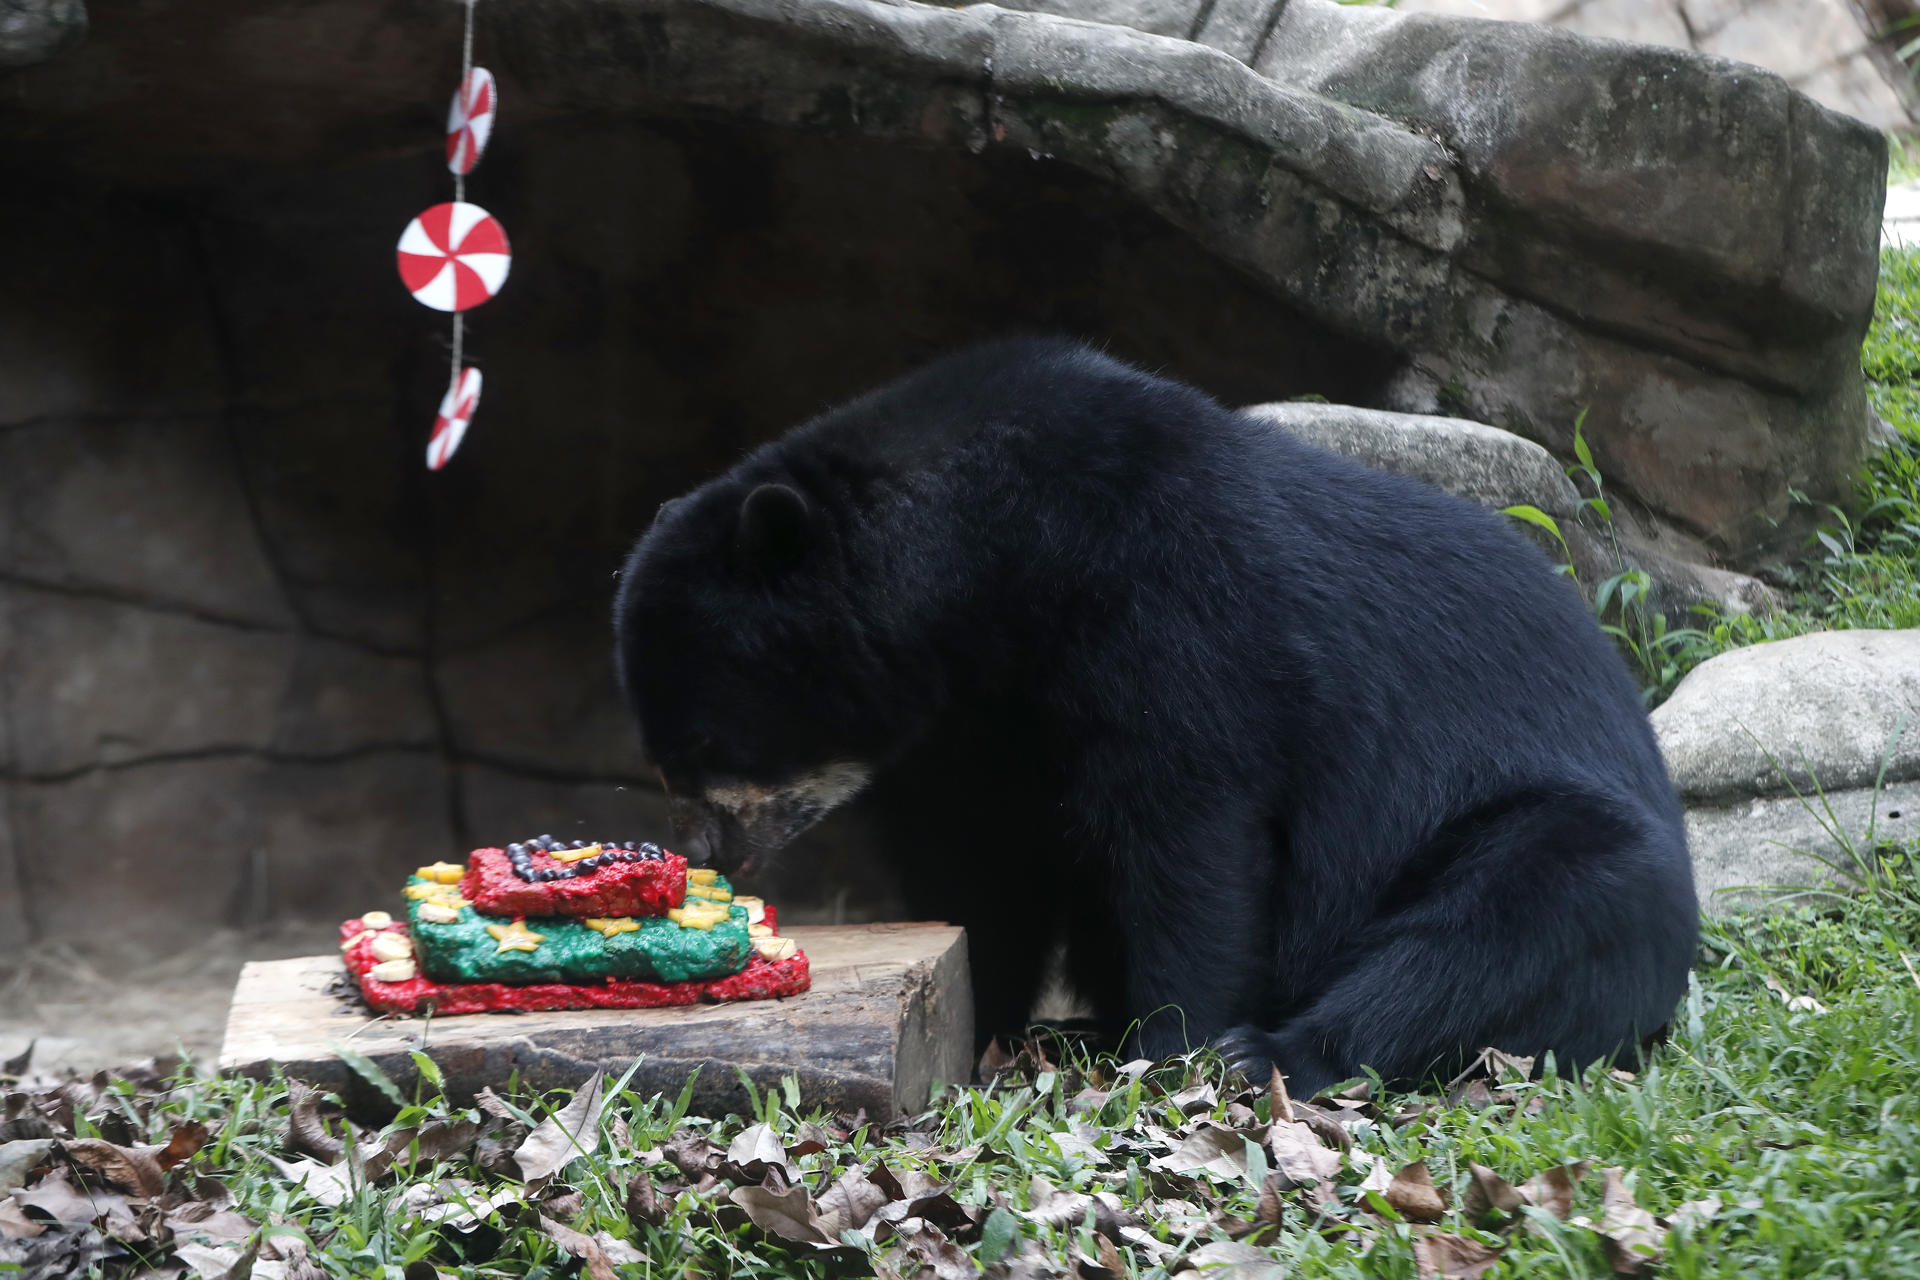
{"points": [[1802, 1121]]}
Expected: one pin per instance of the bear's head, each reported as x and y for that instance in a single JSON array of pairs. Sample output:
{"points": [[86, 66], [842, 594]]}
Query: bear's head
{"points": [[766, 693]]}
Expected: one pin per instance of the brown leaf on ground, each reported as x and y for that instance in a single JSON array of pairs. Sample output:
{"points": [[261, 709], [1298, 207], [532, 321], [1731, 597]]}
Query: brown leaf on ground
{"points": [[210, 1224], [564, 1206], [329, 1184], [1413, 1195], [1631, 1236], [691, 1153], [1032, 1262], [757, 1149], [1230, 1260], [1552, 1189], [1209, 1148], [1439, 1256], [564, 1136], [579, 1245], [993, 1060], [135, 1170], [1049, 1206], [15, 1224], [305, 1130], [808, 1139], [1325, 1125], [218, 1262], [850, 1203], [55, 1199], [183, 1145], [434, 1140], [788, 1216], [1279, 1104], [489, 1103], [930, 1246], [1488, 1193], [1106, 1264], [1298, 1154], [19, 1159], [643, 1203]]}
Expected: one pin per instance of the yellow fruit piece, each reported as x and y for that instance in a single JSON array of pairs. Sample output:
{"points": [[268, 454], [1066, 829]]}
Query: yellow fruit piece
{"points": [[759, 931], [607, 926], [376, 919], [709, 892], [702, 875], [571, 856], [391, 946], [515, 937], [443, 873], [775, 948], [756, 907], [437, 913], [394, 971]]}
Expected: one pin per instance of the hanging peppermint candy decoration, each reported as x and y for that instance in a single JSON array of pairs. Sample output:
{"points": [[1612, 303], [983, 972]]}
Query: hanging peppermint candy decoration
{"points": [[470, 120], [454, 256], [456, 411]]}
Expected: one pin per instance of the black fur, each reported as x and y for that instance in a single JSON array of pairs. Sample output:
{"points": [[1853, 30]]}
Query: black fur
{"points": [[1308, 761]]}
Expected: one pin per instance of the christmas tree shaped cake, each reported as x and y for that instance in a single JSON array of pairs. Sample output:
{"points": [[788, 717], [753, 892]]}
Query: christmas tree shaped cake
{"points": [[550, 925]]}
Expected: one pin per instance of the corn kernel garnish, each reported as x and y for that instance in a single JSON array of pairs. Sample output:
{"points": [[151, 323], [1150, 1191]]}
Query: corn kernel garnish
{"points": [[442, 873], [710, 892], [515, 937], [702, 875], [607, 926], [574, 855], [438, 913]]}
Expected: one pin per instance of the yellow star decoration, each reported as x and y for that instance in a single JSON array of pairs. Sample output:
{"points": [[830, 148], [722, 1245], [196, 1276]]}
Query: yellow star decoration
{"points": [[607, 926], [431, 892], [698, 915], [571, 856], [702, 875], [443, 873], [515, 937]]}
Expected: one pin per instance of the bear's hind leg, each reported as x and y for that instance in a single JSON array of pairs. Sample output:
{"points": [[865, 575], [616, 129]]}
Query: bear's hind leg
{"points": [[1552, 922]]}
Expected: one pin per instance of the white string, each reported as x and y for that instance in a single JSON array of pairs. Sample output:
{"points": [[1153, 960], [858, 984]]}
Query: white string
{"points": [[460, 194]]}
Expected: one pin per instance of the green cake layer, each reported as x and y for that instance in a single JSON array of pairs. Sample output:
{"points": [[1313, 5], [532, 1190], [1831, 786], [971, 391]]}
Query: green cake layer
{"points": [[565, 948]]}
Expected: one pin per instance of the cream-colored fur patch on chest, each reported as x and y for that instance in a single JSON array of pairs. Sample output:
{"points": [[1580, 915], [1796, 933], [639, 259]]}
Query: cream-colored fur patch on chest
{"points": [[814, 792]]}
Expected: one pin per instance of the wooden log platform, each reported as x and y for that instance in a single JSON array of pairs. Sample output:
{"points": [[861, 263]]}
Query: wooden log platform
{"points": [[890, 1016]]}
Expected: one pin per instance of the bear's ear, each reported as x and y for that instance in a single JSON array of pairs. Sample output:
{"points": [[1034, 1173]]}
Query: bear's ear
{"points": [[775, 529]]}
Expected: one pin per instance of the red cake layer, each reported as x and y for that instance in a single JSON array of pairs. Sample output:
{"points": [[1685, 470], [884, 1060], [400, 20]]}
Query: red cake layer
{"points": [[645, 888], [762, 979]]}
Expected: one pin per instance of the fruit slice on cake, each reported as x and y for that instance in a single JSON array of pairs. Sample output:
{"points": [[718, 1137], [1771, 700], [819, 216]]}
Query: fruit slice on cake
{"points": [[548, 925]]}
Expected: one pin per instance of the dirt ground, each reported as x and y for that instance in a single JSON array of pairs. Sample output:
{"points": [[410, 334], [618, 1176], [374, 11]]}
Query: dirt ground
{"points": [[83, 1009]]}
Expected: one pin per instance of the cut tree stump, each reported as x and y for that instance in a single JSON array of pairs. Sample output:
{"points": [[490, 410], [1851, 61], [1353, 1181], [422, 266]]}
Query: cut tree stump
{"points": [[890, 1015]]}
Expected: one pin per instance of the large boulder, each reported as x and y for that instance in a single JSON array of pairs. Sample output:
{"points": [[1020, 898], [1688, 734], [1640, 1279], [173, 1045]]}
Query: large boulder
{"points": [[1795, 756], [35, 30], [1498, 469]]}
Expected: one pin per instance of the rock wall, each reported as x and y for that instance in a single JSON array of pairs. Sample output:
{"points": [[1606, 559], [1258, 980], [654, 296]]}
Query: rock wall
{"points": [[255, 662], [1834, 51]]}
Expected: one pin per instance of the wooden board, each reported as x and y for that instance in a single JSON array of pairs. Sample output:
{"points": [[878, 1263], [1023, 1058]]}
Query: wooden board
{"points": [[889, 1016]]}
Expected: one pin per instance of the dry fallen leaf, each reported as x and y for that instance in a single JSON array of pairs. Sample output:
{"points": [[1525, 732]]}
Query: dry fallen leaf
{"points": [[1489, 1193], [756, 1150], [643, 1203], [1231, 1260], [1552, 1189], [563, 1137], [19, 1159], [1209, 1148], [929, 1245], [583, 1247], [1299, 1155], [131, 1169], [1631, 1236], [1413, 1195], [1438, 1256]]}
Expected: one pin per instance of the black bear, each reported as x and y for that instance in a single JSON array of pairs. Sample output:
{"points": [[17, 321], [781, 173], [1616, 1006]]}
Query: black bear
{"points": [[1313, 763]]}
